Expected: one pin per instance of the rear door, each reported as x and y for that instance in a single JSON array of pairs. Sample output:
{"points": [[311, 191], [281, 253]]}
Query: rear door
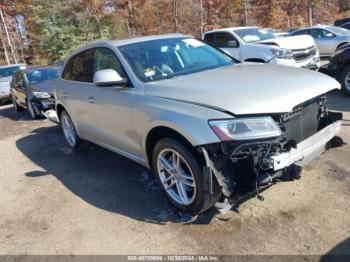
{"points": [[75, 90], [325, 41]]}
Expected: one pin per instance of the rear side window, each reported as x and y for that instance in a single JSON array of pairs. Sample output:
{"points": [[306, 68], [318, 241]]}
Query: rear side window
{"points": [[209, 38], [222, 39], [104, 58], [301, 32], [82, 67], [67, 72]]}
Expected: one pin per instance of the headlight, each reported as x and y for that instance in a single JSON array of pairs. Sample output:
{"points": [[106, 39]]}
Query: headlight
{"points": [[245, 128], [282, 53], [41, 94]]}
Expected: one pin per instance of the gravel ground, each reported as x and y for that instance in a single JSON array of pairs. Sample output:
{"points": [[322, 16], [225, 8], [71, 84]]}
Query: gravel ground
{"points": [[56, 201]]}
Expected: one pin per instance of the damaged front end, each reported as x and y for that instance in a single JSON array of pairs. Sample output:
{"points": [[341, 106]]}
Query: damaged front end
{"points": [[246, 167]]}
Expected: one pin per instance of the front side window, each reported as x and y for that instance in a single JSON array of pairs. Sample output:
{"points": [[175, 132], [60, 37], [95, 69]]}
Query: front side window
{"points": [[104, 58], [251, 35], [165, 58], [36, 76], [82, 66], [320, 33]]}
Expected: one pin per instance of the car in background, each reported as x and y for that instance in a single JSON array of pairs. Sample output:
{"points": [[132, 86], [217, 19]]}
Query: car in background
{"points": [[328, 38], [344, 22], [254, 44], [277, 33], [32, 89], [339, 67], [211, 129], [6, 73]]}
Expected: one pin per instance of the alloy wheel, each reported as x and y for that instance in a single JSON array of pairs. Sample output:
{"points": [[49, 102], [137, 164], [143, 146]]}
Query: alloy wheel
{"points": [[68, 130], [176, 177]]}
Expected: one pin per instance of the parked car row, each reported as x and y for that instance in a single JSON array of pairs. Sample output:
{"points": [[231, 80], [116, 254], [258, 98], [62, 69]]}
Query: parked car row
{"points": [[212, 129]]}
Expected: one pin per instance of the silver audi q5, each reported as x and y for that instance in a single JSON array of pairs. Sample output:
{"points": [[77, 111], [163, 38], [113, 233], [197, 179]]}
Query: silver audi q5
{"points": [[212, 130]]}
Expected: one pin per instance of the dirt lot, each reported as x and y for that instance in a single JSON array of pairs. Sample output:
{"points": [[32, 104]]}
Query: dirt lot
{"points": [[55, 201]]}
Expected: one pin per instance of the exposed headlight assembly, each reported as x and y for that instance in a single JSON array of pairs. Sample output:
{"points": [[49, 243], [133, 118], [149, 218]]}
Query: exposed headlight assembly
{"points": [[245, 128], [41, 95], [282, 53]]}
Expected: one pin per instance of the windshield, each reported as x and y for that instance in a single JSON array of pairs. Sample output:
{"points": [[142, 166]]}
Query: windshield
{"points": [[42, 75], [339, 31], [251, 35], [5, 72], [165, 58]]}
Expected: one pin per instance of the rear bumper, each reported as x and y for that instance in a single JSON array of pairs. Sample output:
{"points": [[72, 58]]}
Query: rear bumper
{"points": [[308, 149]]}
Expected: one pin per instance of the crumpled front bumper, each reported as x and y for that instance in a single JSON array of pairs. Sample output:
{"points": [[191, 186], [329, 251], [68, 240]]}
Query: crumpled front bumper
{"points": [[308, 149]]}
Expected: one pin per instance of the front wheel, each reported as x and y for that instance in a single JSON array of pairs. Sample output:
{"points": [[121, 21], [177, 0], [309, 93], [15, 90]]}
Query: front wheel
{"points": [[16, 107], [345, 80], [69, 130], [32, 110], [179, 173]]}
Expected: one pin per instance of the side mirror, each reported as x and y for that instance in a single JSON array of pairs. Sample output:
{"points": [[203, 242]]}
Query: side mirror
{"points": [[108, 77], [232, 43]]}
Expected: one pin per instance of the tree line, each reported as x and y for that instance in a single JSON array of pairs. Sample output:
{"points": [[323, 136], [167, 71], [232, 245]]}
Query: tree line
{"points": [[44, 31]]}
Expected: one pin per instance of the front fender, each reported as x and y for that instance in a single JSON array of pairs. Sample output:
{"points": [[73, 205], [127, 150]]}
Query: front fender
{"points": [[189, 120]]}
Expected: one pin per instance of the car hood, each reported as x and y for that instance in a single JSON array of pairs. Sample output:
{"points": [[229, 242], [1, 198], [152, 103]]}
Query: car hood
{"points": [[43, 87], [245, 89], [291, 42]]}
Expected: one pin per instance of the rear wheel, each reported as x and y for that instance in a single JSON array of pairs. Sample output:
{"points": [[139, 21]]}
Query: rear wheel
{"points": [[179, 173], [16, 107], [345, 80], [69, 130]]}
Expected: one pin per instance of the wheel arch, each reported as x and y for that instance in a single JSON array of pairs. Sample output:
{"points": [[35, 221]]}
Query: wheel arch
{"points": [[341, 44], [59, 109], [160, 132]]}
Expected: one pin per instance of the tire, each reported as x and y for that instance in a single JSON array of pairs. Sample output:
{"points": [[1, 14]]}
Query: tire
{"points": [[31, 109], [69, 131], [190, 181], [344, 79], [16, 107]]}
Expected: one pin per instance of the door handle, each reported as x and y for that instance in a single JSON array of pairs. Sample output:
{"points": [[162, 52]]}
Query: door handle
{"points": [[91, 99], [64, 94]]}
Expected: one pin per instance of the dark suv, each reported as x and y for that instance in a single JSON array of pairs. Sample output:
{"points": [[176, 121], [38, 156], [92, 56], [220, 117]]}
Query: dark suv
{"points": [[339, 67], [344, 22]]}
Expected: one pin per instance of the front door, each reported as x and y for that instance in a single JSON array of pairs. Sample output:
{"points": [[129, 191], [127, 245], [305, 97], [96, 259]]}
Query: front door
{"points": [[111, 105]]}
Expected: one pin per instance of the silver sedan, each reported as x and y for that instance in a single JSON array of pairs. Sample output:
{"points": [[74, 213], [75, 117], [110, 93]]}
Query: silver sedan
{"points": [[212, 130], [328, 38]]}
